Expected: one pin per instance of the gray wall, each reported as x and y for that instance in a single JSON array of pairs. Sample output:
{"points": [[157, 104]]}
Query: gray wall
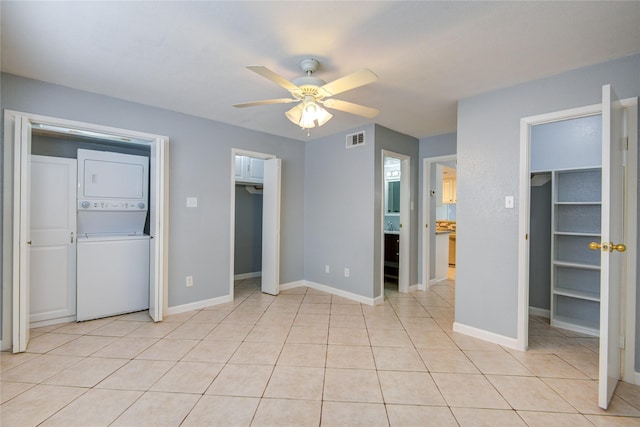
{"points": [[488, 170], [339, 212], [540, 247], [433, 146], [387, 139], [200, 166], [248, 232]]}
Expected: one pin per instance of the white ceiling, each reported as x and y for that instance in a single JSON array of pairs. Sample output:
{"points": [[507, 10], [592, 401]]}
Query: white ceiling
{"points": [[191, 56]]}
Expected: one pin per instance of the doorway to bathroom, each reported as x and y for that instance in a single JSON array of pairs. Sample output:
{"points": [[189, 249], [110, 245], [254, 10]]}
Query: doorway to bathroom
{"points": [[396, 224]]}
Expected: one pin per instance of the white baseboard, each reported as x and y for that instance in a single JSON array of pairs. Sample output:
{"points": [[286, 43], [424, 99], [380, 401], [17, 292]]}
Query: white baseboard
{"points": [[176, 309], [50, 322], [341, 293], [378, 300], [636, 377], [540, 312], [415, 287], [291, 285], [437, 280], [486, 336], [421, 287], [243, 276], [2, 347]]}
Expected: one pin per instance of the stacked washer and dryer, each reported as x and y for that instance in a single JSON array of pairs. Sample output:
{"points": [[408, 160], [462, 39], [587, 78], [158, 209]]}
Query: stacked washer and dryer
{"points": [[112, 250]]}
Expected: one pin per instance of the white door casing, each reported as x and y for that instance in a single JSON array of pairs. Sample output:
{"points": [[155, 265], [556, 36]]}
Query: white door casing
{"points": [[611, 261], [17, 174], [21, 233], [271, 227], [53, 236], [405, 224]]}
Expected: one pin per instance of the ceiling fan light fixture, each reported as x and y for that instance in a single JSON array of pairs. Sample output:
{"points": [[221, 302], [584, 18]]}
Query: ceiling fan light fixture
{"points": [[308, 114], [295, 114]]}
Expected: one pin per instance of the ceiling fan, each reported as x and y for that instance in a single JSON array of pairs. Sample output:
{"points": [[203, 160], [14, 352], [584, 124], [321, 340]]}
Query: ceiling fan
{"points": [[311, 93]]}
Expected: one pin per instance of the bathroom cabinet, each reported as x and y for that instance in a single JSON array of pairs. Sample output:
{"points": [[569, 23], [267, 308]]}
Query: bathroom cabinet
{"points": [[575, 269], [391, 255]]}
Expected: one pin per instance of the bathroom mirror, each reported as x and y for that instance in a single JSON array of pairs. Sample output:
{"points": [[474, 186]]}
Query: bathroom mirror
{"points": [[393, 197]]}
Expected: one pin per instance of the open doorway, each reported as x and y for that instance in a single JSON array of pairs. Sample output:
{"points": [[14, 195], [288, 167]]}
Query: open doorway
{"points": [[439, 216], [592, 217], [255, 223], [396, 225]]}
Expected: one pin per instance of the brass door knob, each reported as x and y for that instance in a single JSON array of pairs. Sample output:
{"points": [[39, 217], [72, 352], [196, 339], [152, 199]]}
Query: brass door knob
{"points": [[594, 246], [620, 247]]}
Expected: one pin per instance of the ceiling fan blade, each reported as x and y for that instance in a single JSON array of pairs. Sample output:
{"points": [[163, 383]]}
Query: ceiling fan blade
{"points": [[276, 78], [266, 102], [350, 107], [351, 81]]}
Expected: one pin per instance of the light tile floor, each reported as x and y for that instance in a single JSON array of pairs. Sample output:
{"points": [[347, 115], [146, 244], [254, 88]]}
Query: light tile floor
{"points": [[304, 358]]}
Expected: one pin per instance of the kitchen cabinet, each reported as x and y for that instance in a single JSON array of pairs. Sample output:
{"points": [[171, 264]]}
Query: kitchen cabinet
{"points": [[449, 190], [442, 255], [249, 170], [452, 249], [575, 269], [391, 255]]}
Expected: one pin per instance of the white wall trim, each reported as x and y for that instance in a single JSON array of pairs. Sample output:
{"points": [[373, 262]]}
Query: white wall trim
{"points": [[415, 287], [243, 276], [487, 336], [631, 218], [340, 293], [635, 378], [421, 287], [437, 280], [177, 309], [292, 285], [50, 322], [540, 312]]}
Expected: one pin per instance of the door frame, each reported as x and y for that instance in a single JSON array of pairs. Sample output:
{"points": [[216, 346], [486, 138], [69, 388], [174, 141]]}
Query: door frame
{"points": [[522, 338], [232, 219], [13, 212], [427, 164], [405, 222]]}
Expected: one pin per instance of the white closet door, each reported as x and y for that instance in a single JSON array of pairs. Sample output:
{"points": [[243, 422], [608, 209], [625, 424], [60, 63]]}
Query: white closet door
{"points": [[613, 187], [271, 227], [53, 238]]}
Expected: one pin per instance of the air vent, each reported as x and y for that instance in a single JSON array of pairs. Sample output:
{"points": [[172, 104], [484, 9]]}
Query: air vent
{"points": [[355, 139]]}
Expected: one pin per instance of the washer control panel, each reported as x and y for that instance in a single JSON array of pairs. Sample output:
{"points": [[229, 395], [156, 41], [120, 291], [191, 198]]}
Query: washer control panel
{"points": [[111, 205]]}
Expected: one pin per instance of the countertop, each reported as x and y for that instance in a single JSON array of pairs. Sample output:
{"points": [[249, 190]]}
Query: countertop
{"points": [[396, 232]]}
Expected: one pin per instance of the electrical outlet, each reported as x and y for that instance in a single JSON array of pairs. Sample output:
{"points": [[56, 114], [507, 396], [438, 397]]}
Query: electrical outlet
{"points": [[327, 269], [346, 272], [189, 281]]}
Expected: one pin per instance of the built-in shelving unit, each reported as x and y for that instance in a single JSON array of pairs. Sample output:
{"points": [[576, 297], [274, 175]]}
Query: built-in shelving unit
{"points": [[575, 269]]}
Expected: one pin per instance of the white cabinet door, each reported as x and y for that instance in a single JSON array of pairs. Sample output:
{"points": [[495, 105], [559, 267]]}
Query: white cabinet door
{"points": [[249, 170], [255, 171], [53, 231]]}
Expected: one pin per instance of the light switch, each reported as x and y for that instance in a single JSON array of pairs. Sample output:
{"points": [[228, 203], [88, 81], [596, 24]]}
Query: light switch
{"points": [[508, 202], [192, 202]]}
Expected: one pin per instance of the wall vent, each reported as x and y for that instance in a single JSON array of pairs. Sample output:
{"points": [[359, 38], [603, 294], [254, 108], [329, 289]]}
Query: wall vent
{"points": [[355, 139]]}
